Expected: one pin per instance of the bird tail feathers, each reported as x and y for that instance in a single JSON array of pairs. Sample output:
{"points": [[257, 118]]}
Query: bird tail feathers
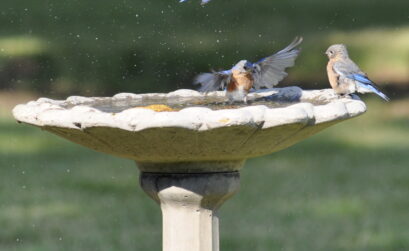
{"points": [[366, 87]]}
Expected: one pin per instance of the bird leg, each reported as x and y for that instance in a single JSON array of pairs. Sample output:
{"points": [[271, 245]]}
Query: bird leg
{"points": [[344, 95], [245, 100]]}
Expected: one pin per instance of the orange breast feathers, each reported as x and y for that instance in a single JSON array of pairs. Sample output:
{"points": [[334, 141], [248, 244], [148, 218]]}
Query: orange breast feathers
{"points": [[243, 80], [332, 75]]}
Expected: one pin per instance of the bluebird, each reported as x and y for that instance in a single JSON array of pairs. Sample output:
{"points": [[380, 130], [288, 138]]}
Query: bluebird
{"points": [[345, 76], [245, 75], [203, 1]]}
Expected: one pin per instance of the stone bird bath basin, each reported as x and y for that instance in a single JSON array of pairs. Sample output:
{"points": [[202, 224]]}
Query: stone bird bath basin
{"points": [[190, 151]]}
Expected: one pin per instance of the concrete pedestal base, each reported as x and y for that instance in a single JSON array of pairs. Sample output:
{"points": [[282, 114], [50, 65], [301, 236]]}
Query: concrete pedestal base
{"points": [[189, 204]]}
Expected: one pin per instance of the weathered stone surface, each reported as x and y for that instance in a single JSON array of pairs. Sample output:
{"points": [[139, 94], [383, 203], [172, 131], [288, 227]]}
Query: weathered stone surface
{"points": [[189, 158], [193, 134]]}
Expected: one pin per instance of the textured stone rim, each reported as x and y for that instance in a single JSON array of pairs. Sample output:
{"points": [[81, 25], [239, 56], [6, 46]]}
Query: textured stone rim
{"points": [[48, 112]]}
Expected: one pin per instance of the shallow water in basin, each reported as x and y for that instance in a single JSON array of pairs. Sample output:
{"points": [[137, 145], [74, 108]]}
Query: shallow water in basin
{"points": [[178, 103]]}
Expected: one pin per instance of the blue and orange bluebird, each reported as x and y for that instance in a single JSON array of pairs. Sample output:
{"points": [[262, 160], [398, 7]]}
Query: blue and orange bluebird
{"points": [[203, 1], [344, 75], [245, 75]]}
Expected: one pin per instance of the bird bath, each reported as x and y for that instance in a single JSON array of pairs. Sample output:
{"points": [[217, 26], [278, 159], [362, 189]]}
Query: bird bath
{"points": [[190, 151]]}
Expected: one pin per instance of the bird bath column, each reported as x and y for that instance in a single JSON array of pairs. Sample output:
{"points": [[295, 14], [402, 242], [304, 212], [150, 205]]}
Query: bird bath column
{"points": [[189, 201]]}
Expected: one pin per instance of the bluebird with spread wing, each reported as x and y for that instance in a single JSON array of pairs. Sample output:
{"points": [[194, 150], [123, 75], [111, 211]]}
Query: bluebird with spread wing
{"points": [[345, 76], [203, 1], [245, 75]]}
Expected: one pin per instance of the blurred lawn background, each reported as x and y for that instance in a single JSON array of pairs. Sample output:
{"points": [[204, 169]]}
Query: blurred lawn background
{"points": [[346, 188]]}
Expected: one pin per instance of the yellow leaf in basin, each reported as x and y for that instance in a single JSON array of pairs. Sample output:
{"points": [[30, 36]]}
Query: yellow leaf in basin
{"points": [[158, 108]]}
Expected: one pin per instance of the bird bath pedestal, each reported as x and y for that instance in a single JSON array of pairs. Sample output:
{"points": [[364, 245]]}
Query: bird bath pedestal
{"points": [[190, 152]]}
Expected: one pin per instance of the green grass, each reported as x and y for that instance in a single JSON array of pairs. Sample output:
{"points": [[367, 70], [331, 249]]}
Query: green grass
{"points": [[346, 188], [79, 47]]}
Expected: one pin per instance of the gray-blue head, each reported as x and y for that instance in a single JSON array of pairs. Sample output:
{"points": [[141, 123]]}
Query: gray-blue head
{"points": [[337, 50], [243, 66]]}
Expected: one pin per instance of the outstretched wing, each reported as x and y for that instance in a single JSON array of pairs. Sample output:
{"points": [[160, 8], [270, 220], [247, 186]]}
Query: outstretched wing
{"points": [[271, 70], [212, 81], [203, 1]]}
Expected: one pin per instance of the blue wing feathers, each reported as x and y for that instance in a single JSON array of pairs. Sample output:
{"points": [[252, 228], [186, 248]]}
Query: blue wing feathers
{"points": [[203, 1], [361, 78], [261, 60]]}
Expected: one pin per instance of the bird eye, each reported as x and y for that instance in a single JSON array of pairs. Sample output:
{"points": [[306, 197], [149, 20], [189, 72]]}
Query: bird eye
{"points": [[245, 67]]}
